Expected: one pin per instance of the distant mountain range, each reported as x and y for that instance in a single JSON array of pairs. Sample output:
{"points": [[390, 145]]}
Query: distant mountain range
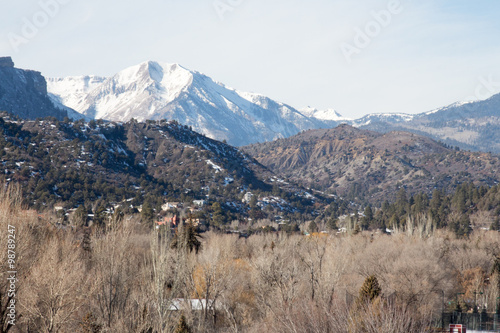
{"points": [[153, 90], [365, 165], [470, 125]]}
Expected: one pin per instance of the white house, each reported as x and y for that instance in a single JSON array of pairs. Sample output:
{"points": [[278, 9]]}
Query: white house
{"points": [[199, 203], [247, 197], [178, 304], [170, 205]]}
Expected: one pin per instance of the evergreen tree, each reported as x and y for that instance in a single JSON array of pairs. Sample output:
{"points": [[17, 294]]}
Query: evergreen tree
{"points": [[86, 244], [217, 215], [367, 219], [386, 206], [370, 290], [394, 221], [147, 213], [461, 227], [459, 200], [80, 216], [401, 205], [100, 215], [186, 238], [312, 228], [401, 197], [182, 326], [332, 224]]}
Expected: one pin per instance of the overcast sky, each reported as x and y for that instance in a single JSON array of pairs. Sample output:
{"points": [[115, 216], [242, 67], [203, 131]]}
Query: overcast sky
{"points": [[356, 56]]}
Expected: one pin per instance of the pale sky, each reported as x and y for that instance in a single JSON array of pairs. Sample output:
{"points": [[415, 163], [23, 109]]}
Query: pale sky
{"points": [[414, 56]]}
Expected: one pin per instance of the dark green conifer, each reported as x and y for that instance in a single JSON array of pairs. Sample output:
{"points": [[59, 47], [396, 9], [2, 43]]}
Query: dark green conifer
{"points": [[187, 238], [182, 326], [312, 228], [370, 289]]}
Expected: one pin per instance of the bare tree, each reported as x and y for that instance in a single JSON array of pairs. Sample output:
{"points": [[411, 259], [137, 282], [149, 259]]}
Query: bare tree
{"points": [[312, 255], [113, 270], [164, 284], [26, 237], [56, 287]]}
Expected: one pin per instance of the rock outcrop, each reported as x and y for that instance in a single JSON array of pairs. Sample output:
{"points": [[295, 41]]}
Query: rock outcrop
{"points": [[6, 62], [24, 93]]}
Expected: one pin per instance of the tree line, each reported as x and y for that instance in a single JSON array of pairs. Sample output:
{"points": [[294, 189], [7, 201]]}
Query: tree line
{"points": [[129, 277]]}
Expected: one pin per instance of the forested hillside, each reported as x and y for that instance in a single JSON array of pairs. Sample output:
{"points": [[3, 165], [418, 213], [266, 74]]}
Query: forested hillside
{"points": [[101, 163]]}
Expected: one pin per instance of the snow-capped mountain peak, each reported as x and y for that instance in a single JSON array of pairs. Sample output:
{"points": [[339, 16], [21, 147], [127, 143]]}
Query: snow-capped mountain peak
{"points": [[71, 90], [153, 90], [382, 117], [170, 79], [327, 114]]}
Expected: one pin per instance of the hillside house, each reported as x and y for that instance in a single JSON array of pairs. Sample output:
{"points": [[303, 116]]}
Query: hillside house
{"points": [[247, 197], [171, 205], [178, 304], [171, 221], [193, 221], [199, 203]]}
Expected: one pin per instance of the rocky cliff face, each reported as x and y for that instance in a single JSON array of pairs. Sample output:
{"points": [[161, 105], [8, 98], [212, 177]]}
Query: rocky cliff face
{"points": [[24, 93], [371, 166], [6, 62]]}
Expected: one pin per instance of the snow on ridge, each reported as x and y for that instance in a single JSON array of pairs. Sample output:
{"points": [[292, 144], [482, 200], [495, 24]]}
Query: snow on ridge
{"points": [[454, 105], [214, 166], [326, 114], [154, 90], [71, 90]]}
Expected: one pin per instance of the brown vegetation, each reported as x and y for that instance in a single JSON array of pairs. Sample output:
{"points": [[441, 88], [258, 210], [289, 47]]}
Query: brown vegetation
{"points": [[126, 278], [364, 165]]}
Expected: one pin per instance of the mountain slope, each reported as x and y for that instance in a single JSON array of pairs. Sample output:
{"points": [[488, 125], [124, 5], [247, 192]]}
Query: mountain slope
{"points": [[73, 163], [153, 90], [167, 156], [156, 91], [24, 93], [472, 125], [368, 165]]}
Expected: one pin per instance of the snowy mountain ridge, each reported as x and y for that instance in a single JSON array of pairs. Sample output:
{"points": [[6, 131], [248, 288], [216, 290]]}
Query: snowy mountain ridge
{"points": [[153, 90], [468, 125], [327, 114]]}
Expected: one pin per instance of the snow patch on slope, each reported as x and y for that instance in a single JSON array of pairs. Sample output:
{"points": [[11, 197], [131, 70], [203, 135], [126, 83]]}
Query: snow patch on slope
{"points": [[71, 90], [153, 90], [327, 114]]}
